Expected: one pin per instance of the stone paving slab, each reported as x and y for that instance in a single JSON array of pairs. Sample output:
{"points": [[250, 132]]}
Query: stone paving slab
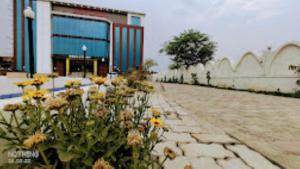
{"points": [[199, 143], [233, 163], [214, 138], [178, 137], [268, 124], [159, 148], [205, 150], [252, 158]]}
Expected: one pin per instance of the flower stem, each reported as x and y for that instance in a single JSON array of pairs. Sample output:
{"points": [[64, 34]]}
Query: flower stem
{"points": [[48, 166]]}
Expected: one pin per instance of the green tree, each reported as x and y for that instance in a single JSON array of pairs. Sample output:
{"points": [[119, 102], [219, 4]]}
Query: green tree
{"points": [[190, 48], [149, 64], [174, 66]]}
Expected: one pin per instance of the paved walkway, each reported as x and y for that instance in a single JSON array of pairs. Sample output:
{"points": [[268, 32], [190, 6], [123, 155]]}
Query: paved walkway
{"points": [[268, 124], [200, 144]]}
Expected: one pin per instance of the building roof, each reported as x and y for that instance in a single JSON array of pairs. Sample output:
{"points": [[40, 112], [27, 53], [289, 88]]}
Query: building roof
{"points": [[110, 10]]}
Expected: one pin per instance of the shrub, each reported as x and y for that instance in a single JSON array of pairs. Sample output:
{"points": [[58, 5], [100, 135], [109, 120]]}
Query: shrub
{"points": [[78, 129], [194, 79], [181, 79]]}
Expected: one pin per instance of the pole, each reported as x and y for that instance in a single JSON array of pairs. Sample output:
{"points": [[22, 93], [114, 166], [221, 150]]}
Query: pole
{"points": [[31, 53], [84, 64]]}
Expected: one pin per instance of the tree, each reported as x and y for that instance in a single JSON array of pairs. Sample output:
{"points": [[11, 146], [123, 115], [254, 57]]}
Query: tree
{"points": [[149, 64], [174, 66], [190, 48]]}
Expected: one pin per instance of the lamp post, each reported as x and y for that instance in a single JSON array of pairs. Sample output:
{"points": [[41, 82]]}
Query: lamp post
{"points": [[84, 49], [29, 14]]}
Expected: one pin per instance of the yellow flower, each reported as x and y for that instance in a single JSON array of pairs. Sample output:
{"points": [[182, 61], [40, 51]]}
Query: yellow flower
{"points": [[155, 113], [145, 86], [74, 92], [101, 113], [126, 115], [39, 80], [117, 81], [98, 80], [55, 103], [101, 164], [34, 139], [188, 166], [24, 83], [96, 96], [157, 122], [169, 153], [12, 107], [127, 124], [93, 90], [73, 83], [134, 138], [35, 94], [53, 75]]}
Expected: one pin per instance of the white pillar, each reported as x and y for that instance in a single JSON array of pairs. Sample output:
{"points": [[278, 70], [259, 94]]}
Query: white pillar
{"points": [[43, 16]]}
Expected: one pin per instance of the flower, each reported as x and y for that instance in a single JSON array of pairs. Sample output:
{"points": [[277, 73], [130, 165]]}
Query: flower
{"points": [[157, 122], [12, 107], [101, 113], [155, 113], [34, 139], [93, 90], [169, 153], [146, 87], [101, 164], [96, 96], [126, 115], [98, 80], [35, 94], [134, 138], [188, 166], [117, 81], [74, 92], [55, 103], [39, 80], [129, 91], [53, 75], [23, 83], [73, 84], [127, 124]]}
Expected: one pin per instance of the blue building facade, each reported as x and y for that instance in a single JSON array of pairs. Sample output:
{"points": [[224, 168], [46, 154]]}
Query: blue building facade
{"points": [[114, 38]]}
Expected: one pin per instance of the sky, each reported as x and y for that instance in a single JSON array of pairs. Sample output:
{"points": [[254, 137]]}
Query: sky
{"points": [[237, 26]]}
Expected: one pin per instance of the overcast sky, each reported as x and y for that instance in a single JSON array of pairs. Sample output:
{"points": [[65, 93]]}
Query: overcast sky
{"points": [[237, 26]]}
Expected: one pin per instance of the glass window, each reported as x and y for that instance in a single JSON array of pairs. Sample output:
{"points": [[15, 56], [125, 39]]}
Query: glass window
{"points": [[135, 20]]}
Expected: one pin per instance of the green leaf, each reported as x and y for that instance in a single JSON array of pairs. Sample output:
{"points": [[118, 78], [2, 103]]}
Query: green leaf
{"points": [[65, 156]]}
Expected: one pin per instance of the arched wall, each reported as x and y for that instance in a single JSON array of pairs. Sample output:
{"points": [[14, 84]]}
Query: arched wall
{"points": [[268, 74]]}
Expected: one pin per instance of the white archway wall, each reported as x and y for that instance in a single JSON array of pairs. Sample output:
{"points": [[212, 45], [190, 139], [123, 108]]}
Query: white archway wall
{"points": [[270, 73]]}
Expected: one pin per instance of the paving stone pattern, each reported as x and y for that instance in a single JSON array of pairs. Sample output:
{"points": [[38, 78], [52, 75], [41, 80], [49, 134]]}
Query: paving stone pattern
{"points": [[201, 144]]}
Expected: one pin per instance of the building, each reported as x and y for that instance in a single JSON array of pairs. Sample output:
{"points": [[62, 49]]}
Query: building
{"points": [[114, 38]]}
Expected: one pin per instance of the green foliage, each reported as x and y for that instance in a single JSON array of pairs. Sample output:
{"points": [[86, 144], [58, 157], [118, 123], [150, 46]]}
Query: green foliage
{"points": [[174, 66], [194, 79], [181, 79], [149, 64], [296, 69], [190, 48]]}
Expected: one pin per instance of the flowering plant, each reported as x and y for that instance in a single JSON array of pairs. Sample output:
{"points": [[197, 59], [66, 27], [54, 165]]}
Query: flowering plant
{"points": [[84, 129]]}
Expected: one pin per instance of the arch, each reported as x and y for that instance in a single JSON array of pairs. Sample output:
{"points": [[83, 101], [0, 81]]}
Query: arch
{"points": [[249, 65], [224, 68], [285, 56]]}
